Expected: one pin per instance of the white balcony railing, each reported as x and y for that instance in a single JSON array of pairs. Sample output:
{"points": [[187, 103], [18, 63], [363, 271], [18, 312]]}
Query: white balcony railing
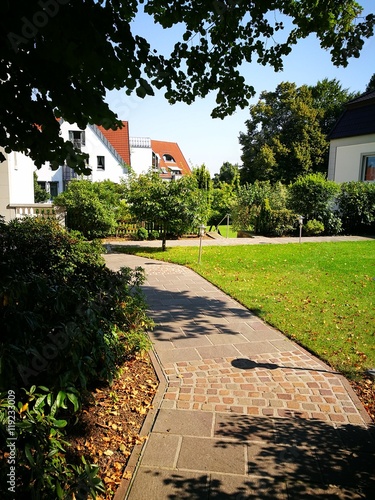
{"points": [[45, 210]]}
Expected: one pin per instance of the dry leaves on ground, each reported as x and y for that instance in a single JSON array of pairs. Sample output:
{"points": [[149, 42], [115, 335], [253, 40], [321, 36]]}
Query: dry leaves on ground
{"points": [[111, 422]]}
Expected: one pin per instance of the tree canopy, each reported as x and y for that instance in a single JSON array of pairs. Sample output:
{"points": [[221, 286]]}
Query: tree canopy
{"points": [[58, 58], [287, 131]]}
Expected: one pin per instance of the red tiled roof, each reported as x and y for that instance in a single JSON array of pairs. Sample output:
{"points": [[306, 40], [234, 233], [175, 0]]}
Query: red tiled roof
{"points": [[162, 148], [119, 139]]}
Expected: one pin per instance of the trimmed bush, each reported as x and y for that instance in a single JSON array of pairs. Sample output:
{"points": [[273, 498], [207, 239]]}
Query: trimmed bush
{"points": [[356, 207], [313, 196], [314, 227]]}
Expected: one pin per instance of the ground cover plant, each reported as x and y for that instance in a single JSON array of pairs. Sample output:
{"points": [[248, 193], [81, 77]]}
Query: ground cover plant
{"points": [[320, 294]]}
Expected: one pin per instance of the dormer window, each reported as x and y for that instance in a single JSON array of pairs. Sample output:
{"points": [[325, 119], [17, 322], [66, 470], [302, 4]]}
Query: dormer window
{"points": [[77, 137], [169, 158]]}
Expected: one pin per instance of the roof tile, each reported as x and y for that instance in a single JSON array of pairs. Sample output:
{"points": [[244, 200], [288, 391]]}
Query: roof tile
{"points": [[162, 148], [119, 139]]}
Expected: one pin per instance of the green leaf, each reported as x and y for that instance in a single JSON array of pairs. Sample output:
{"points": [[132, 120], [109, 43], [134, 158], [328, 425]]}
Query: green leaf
{"points": [[73, 399], [59, 490], [29, 455], [59, 423]]}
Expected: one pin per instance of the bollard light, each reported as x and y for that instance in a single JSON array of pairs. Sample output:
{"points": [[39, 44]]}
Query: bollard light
{"points": [[300, 221]]}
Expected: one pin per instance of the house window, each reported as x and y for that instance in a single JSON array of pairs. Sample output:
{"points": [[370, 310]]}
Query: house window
{"points": [[54, 189], [369, 167], [169, 158], [42, 185], [155, 160], [77, 137], [100, 163]]}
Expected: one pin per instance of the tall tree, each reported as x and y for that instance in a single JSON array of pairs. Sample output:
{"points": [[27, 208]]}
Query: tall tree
{"points": [[174, 205], [284, 138], [59, 57], [371, 84], [330, 98], [229, 173]]}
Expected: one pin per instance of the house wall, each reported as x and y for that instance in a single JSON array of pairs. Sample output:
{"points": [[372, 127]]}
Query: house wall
{"points": [[16, 183], [345, 157], [94, 147], [140, 154], [4, 188]]}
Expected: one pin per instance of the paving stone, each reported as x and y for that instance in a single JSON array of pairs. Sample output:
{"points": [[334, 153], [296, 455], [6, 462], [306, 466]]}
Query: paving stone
{"points": [[301, 490], [212, 455], [161, 450], [219, 351], [256, 348], [178, 355], [244, 428], [193, 342], [226, 487], [188, 423], [280, 461], [159, 484], [226, 338]]}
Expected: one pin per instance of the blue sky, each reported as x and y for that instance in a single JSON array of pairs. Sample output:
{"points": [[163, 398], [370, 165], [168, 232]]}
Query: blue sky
{"points": [[203, 139]]}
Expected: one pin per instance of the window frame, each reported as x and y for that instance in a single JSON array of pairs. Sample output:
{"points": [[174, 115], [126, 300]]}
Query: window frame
{"points": [[100, 166], [365, 167]]}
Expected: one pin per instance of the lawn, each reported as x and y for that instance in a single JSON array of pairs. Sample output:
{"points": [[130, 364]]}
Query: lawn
{"points": [[322, 295], [227, 231]]}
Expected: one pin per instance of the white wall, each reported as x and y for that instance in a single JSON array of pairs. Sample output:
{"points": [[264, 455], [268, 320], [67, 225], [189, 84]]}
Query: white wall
{"points": [[345, 157], [21, 178], [16, 182], [140, 154], [4, 188], [94, 147]]}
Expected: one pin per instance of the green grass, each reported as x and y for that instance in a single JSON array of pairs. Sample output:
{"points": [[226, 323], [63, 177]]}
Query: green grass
{"points": [[227, 232], [322, 295]]}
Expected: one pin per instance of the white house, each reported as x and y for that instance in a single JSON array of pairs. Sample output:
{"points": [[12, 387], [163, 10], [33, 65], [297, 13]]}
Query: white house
{"points": [[165, 157], [111, 152], [108, 150], [352, 142]]}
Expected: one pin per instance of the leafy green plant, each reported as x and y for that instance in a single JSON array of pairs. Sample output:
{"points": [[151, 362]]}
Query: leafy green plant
{"points": [[67, 322], [153, 235], [314, 227], [356, 206], [42, 469], [88, 210], [314, 197], [142, 234]]}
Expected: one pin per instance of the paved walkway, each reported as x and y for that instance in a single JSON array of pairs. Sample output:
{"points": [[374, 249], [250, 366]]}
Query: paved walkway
{"points": [[244, 412]]}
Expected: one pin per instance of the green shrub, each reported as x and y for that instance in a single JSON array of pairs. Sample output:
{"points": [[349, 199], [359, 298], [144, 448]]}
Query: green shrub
{"points": [[86, 210], [314, 227], [356, 207], [153, 235], [142, 234], [313, 197], [67, 321], [39, 450]]}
